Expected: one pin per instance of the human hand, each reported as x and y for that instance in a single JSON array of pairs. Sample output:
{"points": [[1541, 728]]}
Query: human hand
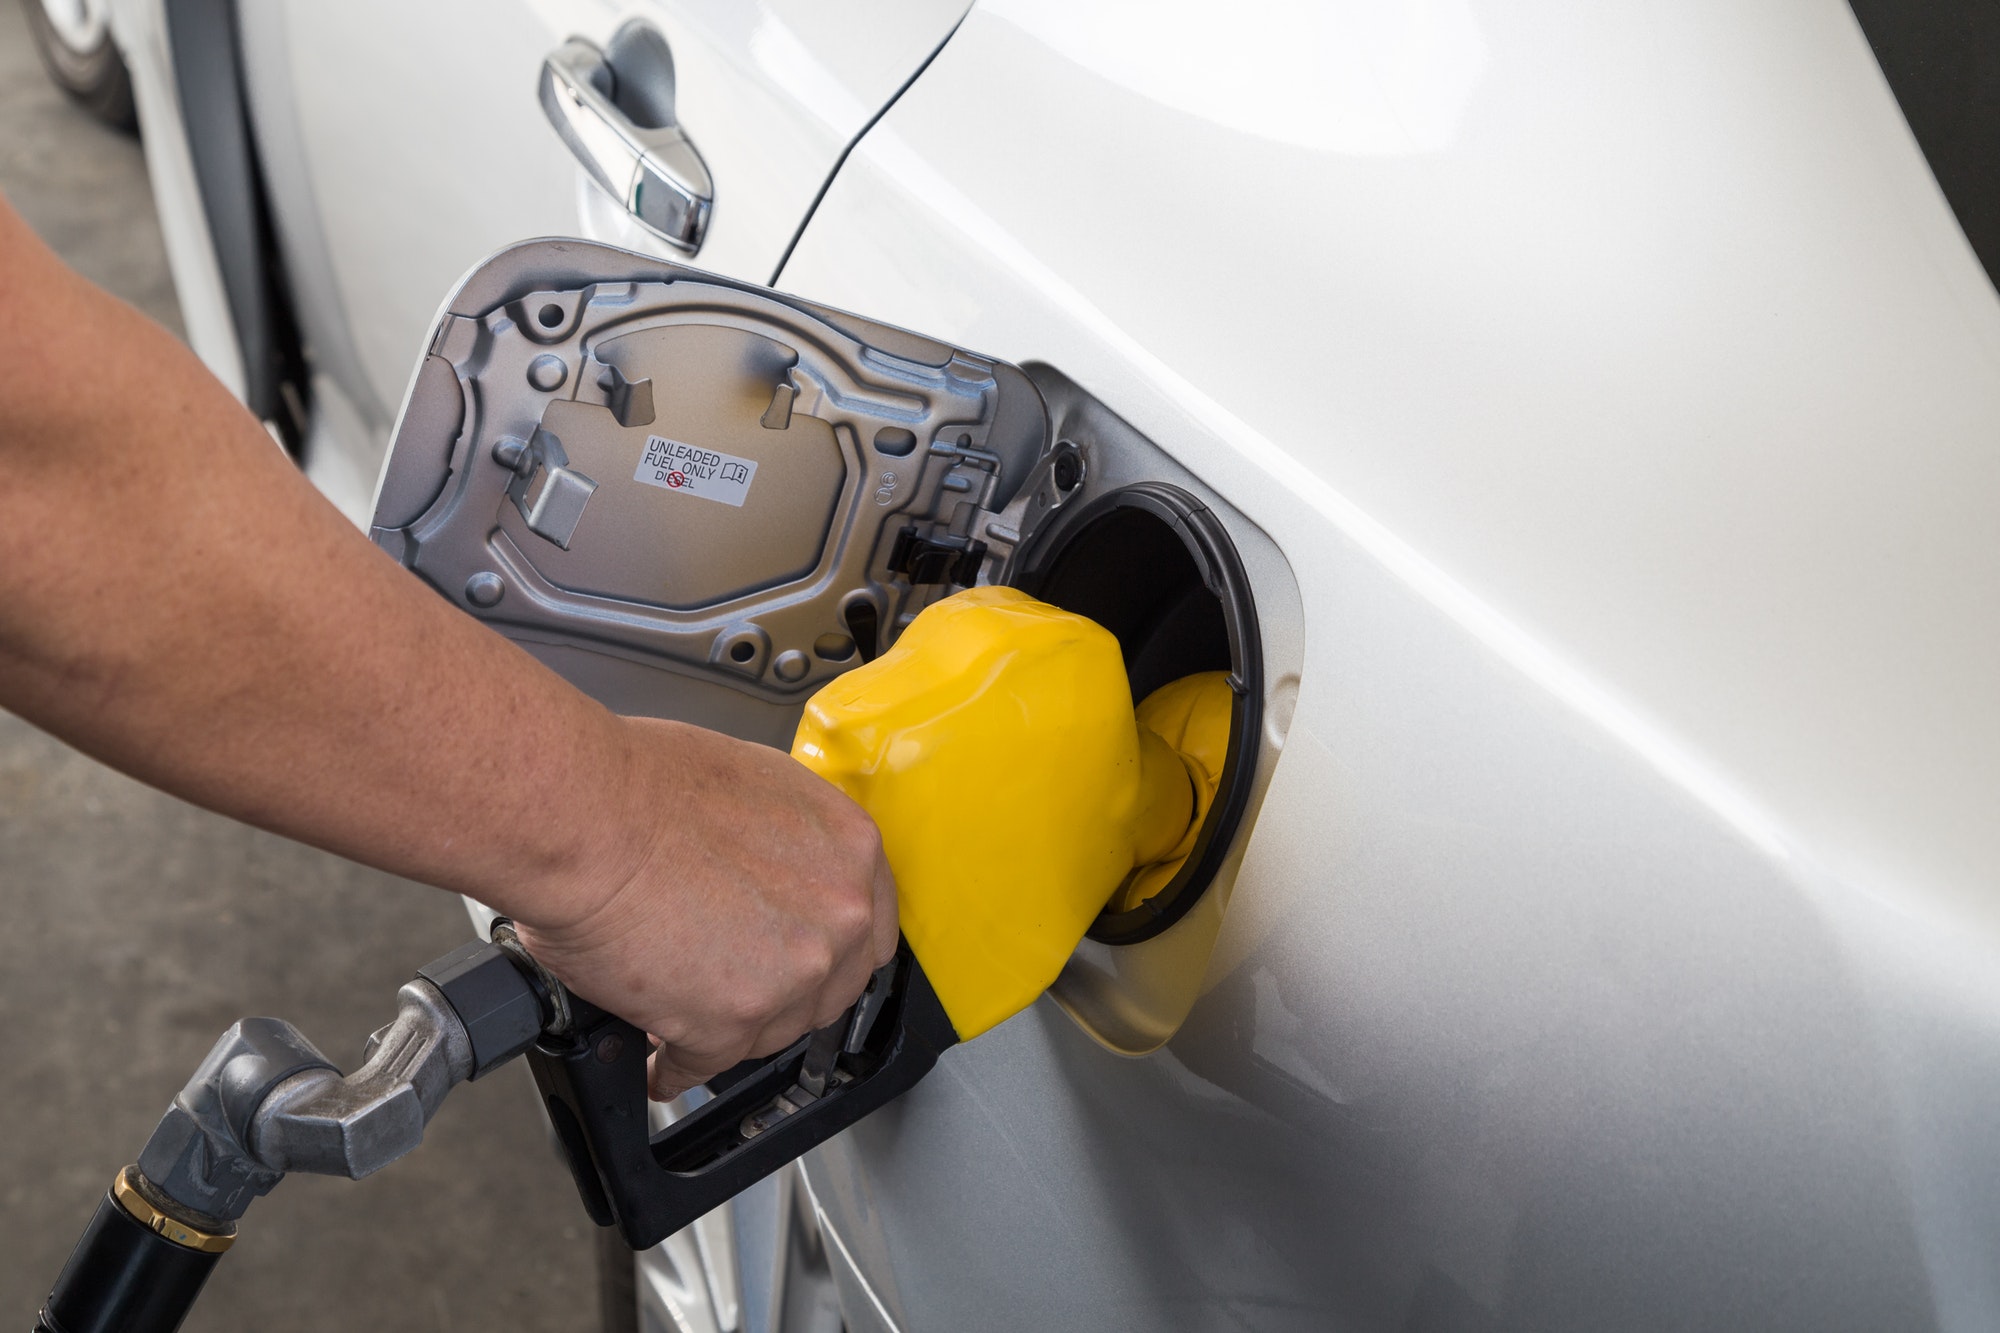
{"points": [[740, 901]]}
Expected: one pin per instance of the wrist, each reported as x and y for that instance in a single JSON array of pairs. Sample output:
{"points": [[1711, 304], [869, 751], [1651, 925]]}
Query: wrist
{"points": [[597, 843]]}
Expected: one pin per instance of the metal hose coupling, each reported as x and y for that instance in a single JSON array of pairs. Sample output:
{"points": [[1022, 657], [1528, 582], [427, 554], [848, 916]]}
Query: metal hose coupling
{"points": [[265, 1101], [557, 1021], [144, 1202]]}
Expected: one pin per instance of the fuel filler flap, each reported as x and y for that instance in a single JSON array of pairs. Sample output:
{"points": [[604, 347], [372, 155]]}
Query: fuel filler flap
{"points": [[695, 497]]}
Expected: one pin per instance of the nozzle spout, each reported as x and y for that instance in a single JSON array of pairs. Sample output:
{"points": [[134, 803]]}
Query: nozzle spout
{"points": [[1166, 800]]}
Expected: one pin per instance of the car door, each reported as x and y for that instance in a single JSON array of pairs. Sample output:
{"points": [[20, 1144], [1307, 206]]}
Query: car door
{"points": [[400, 143]]}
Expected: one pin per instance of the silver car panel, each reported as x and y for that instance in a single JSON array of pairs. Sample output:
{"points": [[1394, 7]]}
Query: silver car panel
{"points": [[1615, 945]]}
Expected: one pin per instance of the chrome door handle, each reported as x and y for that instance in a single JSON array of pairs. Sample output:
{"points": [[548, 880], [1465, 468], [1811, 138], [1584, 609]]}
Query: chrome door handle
{"points": [[615, 111]]}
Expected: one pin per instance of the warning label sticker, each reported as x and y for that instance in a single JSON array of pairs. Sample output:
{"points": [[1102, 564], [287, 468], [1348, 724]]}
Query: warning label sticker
{"points": [[683, 467]]}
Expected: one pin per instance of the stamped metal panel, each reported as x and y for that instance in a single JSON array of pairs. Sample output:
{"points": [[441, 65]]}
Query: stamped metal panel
{"points": [[690, 495]]}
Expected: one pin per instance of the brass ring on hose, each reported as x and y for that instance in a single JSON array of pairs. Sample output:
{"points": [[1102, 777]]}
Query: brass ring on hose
{"points": [[172, 1228]]}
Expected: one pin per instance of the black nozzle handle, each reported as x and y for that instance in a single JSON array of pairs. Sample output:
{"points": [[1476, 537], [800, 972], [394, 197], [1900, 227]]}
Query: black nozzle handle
{"points": [[126, 1277], [762, 1114]]}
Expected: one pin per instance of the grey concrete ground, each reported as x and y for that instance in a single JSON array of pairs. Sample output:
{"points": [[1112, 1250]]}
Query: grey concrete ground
{"points": [[137, 928]]}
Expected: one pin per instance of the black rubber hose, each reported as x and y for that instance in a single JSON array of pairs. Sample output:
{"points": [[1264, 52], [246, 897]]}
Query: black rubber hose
{"points": [[124, 1277]]}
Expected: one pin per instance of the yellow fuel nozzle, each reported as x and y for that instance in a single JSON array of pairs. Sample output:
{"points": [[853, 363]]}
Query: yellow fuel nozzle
{"points": [[1016, 789]]}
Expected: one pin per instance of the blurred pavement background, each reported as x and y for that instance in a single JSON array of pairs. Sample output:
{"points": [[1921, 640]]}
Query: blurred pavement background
{"points": [[138, 927]]}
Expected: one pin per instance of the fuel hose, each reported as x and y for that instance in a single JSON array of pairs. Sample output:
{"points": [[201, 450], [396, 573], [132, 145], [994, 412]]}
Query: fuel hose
{"points": [[137, 1268]]}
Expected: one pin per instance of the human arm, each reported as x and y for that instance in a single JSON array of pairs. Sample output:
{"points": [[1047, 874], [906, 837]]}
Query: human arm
{"points": [[176, 600]]}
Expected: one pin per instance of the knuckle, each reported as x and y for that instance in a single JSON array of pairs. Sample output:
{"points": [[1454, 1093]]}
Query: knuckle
{"points": [[735, 1052], [852, 917], [857, 832], [673, 1031], [815, 960], [745, 1008]]}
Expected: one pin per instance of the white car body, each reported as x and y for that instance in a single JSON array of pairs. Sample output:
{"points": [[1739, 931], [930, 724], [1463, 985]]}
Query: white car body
{"points": [[1615, 944]]}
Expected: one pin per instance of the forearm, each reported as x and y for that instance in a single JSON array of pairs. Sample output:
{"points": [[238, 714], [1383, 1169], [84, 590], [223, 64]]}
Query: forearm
{"points": [[177, 600]]}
